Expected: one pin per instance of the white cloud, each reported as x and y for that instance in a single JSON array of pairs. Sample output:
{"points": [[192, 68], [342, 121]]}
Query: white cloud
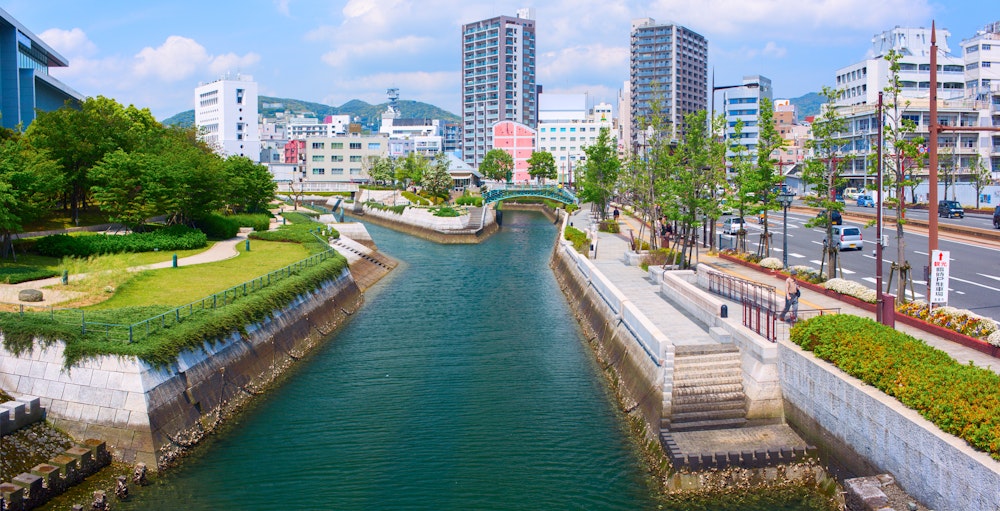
{"points": [[375, 50], [232, 62], [771, 49], [69, 43], [437, 88], [176, 59], [581, 64], [283, 7]]}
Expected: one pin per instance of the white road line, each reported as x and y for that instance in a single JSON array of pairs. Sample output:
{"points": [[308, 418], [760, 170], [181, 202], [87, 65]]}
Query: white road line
{"points": [[847, 272], [815, 261], [793, 254], [974, 283], [988, 276], [921, 253]]}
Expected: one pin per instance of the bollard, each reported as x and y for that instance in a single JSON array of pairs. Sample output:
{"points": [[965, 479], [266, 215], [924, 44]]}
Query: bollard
{"points": [[175, 260], [248, 245], [724, 312], [282, 220], [65, 277]]}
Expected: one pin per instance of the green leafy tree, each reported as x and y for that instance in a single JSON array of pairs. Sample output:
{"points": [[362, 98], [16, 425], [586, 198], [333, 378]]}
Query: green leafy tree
{"points": [[251, 186], [822, 172], [29, 184], [497, 164], [766, 177], [693, 180], [411, 169], [438, 179], [542, 165], [129, 187], [742, 196], [979, 176], [380, 169], [600, 172]]}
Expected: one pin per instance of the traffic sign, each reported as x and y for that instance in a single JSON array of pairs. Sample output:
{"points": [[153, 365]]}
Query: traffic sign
{"points": [[940, 262]]}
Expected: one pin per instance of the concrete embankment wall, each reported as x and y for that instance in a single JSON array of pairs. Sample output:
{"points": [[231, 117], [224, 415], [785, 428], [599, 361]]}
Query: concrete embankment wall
{"points": [[445, 230], [873, 433], [641, 362], [152, 414]]}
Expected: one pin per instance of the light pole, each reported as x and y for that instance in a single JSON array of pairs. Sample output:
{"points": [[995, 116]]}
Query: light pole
{"points": [[785, 199]]}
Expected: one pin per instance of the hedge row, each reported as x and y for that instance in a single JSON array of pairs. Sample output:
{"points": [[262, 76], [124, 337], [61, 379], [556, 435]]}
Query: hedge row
{"points": [[177, 237], [962, 400], [18, 274], [577, 237], [469, 200]]}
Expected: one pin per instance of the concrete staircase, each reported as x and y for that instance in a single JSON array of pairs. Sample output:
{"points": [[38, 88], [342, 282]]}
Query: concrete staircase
{"points": [[475, 219], [708, 389]]}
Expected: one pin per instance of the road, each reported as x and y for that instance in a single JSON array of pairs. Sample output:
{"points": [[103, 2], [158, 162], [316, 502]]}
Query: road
{"points": [[974, 282]]}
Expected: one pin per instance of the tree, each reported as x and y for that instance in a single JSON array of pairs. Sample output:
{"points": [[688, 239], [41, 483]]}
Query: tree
{"points": [[822, 172], [766, 178], [29, 183], [251, 185], [497, 164], [411, 169], [693, 180], [542, 165], [600, 172], [379, 169], [742, 196], [129, 187], [437, 180], [979, 176]]}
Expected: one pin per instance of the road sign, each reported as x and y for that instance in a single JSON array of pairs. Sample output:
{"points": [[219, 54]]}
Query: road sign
{"points": [[940, 262]]}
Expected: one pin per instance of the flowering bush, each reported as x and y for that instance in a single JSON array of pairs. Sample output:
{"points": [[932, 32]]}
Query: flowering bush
{"points": [[851, 288], [959, 320], [771, 263], [807, 274]]}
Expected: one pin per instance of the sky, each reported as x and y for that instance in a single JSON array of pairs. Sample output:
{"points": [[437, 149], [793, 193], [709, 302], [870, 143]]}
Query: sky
{"points": [[153, 54]]}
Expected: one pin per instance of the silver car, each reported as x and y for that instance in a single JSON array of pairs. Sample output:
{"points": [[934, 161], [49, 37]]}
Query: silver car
{"points": [[845, 237], [733, 225]]}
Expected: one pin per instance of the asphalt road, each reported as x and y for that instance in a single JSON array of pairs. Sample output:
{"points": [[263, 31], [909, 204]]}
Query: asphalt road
{"points": [[974, 281]]}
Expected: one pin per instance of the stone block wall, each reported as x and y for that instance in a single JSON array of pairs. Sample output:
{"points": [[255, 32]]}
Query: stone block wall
{"points": [[872, 433], [19, 413]]}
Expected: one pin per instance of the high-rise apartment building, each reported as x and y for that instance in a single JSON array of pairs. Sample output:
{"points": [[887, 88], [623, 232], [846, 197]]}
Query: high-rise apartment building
{"points": [[25, 82], [225, 113], [566, 128], [743, 104], [498, 79], [981, 55], [669, 67]]}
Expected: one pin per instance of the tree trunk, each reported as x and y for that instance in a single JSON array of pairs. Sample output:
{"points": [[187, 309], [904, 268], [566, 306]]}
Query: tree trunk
{"points": [[901, 251]]}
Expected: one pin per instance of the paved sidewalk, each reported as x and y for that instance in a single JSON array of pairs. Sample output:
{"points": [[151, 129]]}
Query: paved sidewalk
{"points": [[634, 283]]}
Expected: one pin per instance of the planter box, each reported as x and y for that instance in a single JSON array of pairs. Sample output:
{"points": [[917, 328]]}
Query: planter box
{"points": [[945, 333]]}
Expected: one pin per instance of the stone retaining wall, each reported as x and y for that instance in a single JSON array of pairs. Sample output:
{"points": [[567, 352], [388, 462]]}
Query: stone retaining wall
{"points": [[872, 433], [153, 414], [446, 231]]}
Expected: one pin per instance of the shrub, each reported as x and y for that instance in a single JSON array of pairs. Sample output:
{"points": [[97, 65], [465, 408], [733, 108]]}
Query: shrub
{"points": [[415, 199], [18, 274], [772, 263], [609, 226], [851, 288], [382, 207], [177, 237], [660, 257], [445, 211], [962, 400], [578, 238], [256, 221], [300, 229], [469, 200], [219, 227]]}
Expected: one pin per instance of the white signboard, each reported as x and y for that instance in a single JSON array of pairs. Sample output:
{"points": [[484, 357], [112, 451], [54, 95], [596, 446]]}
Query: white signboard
{"points": [[940, 260]]}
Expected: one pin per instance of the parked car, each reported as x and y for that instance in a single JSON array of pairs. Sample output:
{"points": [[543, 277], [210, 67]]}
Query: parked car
{"points": [[996, 217], [950, 208], [845, 237], [866, 201], [733, 225], [835, 217], [851, 193]]}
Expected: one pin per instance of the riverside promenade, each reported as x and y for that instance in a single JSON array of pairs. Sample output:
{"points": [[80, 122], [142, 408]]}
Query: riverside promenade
{"points": [[635, 284]]}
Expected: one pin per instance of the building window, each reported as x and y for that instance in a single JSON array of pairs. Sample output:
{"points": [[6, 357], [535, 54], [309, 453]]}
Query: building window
{"points": [[336, 145], [355, 171], [356, 158], [374, 146], [318, 157], [318, 145], [355, 145], [336, 157], [318, 171], [337, 172]]}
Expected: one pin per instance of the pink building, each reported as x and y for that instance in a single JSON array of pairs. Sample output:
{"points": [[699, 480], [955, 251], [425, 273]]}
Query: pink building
{"points": [[519, 141]]}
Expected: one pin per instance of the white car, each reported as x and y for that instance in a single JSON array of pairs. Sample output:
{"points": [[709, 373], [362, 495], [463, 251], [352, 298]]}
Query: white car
{"points": [[733, 225]]}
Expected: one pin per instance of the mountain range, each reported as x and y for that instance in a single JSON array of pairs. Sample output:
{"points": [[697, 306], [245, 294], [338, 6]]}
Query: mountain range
{"points": [[370, 115]]}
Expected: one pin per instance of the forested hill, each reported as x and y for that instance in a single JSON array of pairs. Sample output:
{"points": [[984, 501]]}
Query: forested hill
{"points": [[368, 114]]}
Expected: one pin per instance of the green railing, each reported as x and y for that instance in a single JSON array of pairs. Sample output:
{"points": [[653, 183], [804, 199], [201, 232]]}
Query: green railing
{"points": [[143, 329]]}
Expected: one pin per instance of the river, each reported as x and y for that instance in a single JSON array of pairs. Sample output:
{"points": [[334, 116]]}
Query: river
{"points": [[462, 383]]}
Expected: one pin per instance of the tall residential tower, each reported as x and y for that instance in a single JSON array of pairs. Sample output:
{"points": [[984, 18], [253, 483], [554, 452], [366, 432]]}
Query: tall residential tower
{"points": [[669, 66], [498, 79]]}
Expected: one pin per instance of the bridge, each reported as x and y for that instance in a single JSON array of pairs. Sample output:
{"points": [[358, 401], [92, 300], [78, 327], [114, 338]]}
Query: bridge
{"points": [[500, 191]]}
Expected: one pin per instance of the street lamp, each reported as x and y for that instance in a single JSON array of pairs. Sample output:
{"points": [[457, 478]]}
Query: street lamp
{"points": [[785, 199]]}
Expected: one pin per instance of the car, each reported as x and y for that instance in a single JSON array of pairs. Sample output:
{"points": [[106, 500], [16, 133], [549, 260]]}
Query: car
{"points": [[725, 208], [851, 193], [950, 208], [835, 217], [845, 237], [996, 217], [733, 225], [866, 201]]}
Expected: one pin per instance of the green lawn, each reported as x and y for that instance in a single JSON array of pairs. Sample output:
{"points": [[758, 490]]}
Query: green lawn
{"points": [[114, 260], [178, 286]]}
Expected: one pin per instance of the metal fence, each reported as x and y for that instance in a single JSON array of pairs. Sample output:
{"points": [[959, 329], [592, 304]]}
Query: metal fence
{"points": [[738, 289], [143, 329]]}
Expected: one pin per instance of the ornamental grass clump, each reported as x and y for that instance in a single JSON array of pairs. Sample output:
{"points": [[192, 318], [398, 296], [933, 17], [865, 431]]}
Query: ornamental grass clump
{"points": [[960, 399]]}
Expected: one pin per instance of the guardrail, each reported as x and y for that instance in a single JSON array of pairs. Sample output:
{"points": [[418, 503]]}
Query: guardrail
{"points": [[143, 329], [739, 289]]}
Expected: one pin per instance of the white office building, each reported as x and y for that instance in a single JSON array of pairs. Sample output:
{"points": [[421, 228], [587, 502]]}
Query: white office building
{"points": [[341, 159], [566, 127], [743, 104], [981, 56], [225, 113], [303, 127]]}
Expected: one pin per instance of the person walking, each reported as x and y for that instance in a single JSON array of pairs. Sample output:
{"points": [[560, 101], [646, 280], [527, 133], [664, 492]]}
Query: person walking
{"points": [[792, 294], [616, 214]]}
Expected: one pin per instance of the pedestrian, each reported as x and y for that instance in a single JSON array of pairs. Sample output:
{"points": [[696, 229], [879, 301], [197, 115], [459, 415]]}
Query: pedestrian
{"points": [[792, 294], [616, 214]]}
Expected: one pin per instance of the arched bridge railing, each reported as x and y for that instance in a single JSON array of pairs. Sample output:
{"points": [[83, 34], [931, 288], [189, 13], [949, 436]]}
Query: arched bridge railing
{"points": [[500, 191]]}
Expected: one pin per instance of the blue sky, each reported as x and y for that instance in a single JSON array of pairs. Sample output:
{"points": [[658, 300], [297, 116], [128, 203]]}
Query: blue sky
{"points": [[153, 54]]}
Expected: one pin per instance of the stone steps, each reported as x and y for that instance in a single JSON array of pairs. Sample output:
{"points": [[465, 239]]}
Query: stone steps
{"points": [[707, 389]]}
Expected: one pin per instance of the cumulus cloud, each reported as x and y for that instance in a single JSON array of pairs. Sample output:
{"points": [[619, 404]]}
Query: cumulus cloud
{"points": [[176, 59], [283, 7], [69, 43], [232, 62], [578, 64]]}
